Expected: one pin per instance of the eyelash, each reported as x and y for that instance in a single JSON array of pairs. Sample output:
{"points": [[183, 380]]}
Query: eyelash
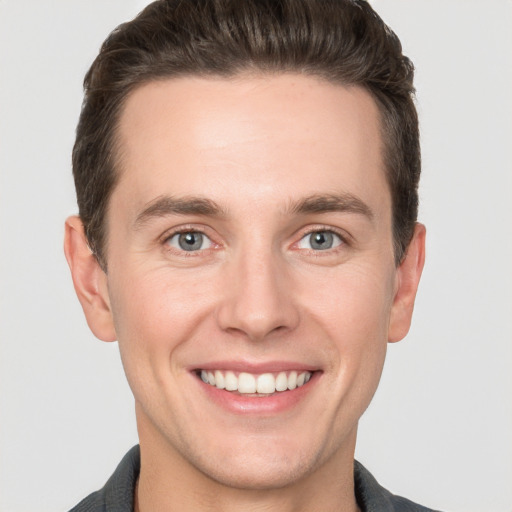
{"points": [[165, 239], [345, 240]]}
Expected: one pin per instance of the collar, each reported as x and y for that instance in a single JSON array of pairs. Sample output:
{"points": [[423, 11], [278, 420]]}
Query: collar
{"points": [[118, 493]]}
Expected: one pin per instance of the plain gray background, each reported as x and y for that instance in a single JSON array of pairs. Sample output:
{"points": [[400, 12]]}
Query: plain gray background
{"points": [[440, 428]]}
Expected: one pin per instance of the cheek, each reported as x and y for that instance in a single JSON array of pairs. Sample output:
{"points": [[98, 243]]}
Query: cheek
{"points": [[353, 298], [154, 314], [353, 309]]}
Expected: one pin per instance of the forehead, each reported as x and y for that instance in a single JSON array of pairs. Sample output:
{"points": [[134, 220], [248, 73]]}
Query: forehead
{"points": [[259, 136]]}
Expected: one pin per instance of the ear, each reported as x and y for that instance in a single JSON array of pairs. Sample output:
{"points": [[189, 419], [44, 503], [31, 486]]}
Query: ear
{"points": [[89, 279], [407, 280]]}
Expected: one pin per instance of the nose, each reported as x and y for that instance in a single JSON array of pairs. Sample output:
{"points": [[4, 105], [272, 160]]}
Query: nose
{"points": [[258, 299]]}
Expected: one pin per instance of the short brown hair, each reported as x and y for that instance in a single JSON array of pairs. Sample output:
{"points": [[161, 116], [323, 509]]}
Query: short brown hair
{"points": [[341, 41]]}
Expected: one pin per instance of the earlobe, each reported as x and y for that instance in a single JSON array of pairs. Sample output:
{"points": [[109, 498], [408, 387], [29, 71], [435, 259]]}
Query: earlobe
{"points": [[89, 280], [408, 278]]}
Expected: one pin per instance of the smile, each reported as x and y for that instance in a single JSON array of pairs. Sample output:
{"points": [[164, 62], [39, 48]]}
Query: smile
{"points": [[248, 383]]}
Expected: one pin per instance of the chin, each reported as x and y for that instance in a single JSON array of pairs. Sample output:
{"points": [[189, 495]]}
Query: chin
{"points": [[258, 475], [258, 463]]}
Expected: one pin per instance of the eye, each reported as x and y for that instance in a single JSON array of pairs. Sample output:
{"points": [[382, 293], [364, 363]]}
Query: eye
{"points": [[320, 241], [189, 241]]}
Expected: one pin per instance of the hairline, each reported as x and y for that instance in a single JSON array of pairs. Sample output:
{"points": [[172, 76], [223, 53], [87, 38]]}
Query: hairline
{"points": [[250, 71]]}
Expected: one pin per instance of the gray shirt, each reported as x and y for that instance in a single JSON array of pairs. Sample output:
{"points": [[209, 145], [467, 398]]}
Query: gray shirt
{"points": [[118, 493]]}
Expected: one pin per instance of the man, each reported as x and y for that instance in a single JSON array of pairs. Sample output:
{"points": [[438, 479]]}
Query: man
{"points": [[246, 175]]}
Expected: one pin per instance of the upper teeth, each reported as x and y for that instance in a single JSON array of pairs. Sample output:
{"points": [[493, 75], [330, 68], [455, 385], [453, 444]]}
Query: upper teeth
{"points": [[265, 383]]}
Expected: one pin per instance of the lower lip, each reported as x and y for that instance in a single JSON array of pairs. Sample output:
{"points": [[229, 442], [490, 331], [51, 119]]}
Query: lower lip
{"points": [[258, 405]]}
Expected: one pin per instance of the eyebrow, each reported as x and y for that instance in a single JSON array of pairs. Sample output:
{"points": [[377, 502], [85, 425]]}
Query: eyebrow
{"points": [[167, 205], [318, 203], [325, 203]]}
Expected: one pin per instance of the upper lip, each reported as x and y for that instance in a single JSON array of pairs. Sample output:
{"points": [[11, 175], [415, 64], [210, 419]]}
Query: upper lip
{"points": [[254, 367]]}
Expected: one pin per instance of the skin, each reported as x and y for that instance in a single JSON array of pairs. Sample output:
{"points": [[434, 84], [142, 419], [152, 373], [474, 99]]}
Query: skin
{"points": [[257, 292]]}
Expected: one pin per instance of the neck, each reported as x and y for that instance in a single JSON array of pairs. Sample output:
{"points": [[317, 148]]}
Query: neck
{"points": [[168, 482]]}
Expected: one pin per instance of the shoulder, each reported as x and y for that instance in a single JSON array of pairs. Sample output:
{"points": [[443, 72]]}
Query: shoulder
{"points": [[372, 497], [117, 494]]}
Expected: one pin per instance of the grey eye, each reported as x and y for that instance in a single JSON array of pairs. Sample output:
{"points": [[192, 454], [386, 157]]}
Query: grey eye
{"points": [[190, 241], [320, 241]]}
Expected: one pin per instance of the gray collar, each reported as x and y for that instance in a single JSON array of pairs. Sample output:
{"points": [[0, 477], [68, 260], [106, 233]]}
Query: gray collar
{"points": [[118, 493]]}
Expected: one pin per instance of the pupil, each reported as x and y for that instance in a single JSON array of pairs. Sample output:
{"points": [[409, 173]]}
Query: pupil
{"points": [[191, 241], [322, 241]]}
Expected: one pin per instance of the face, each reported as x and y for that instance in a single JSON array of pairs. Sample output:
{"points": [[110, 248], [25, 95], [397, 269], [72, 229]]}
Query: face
{"points": [[251, 279]]}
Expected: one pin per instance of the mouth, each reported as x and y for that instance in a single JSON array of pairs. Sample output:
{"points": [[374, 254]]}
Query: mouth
{"points": [[255, 385]]}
